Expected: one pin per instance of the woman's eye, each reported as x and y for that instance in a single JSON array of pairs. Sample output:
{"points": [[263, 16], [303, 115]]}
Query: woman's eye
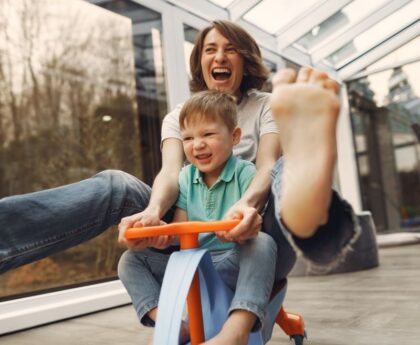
{"points": [[209, 50], [231, 50]]}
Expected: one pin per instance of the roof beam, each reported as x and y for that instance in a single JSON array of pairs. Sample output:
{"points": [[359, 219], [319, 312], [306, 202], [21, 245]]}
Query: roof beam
{"points": [[262, 37], [411, 32], [307, 21], [376, 16], [202, 8], [296, 56], [239, 7]]}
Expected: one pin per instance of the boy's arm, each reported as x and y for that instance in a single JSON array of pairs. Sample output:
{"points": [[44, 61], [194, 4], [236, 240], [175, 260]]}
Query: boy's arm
{"points": [[255, 197], [164, 194]]}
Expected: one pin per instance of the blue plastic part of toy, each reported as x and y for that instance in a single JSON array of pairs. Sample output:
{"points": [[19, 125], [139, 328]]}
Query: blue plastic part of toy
{"points": [[175, 286], [215, 299]]}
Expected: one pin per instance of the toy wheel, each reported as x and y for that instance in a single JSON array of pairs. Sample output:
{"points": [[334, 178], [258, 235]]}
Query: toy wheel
{"points": [[298, 339]]}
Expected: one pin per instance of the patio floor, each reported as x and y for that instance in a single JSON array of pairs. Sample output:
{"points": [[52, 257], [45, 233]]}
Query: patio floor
{"points": [[377, 306]]}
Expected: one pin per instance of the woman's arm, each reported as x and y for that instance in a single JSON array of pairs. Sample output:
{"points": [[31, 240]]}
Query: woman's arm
{"points": [[164, 194], [267, 155], [256, 195], [165, 186], [180, 215]]}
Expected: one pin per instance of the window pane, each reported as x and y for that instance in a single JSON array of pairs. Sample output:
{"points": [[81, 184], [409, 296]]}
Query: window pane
{"points": [[385, 109], [150, 79], [222, 3], [74, 102], [190, 34], [338, 23], [273, 15], [371, 37], [408, 51]]}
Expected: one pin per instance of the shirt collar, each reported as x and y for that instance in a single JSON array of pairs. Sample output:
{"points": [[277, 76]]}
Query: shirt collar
{"points": [[226, 175]]}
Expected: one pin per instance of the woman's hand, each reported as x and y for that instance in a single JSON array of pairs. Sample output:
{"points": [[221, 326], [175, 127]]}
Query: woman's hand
{"points": [[248, 228], [148, 217], [164, 195], [256, 195]]}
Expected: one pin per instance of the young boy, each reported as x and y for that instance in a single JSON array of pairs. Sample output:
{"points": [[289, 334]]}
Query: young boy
{"points": [[209, 186]]}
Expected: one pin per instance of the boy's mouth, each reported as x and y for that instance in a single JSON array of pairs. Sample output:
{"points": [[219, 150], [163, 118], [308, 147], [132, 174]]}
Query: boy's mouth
{"points": [[203, 156]]}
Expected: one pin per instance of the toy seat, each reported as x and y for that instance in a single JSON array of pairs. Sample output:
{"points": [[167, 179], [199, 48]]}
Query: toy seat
{"points": [[190, 275]]}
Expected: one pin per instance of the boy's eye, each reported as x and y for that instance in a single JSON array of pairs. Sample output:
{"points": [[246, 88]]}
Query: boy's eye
{"points": [[209, 134], [187, 139]]}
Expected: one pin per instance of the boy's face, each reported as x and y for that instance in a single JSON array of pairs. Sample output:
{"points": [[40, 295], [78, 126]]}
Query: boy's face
{"points": [[208, 145]]}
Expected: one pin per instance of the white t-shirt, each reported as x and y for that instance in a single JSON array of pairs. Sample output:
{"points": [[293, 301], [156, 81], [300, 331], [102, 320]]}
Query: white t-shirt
{"points": [[254, 119]]}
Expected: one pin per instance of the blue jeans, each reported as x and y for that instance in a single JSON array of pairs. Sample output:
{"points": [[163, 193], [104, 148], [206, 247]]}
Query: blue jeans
{"points": [[324, 250], [247, 269], [36, 225]]}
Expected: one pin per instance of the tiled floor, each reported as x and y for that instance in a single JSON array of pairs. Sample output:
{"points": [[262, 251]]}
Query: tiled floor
{"points": [[376, 307]]}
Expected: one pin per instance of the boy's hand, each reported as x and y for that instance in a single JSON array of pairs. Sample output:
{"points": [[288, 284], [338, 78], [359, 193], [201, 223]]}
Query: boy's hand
{"points": [[248, 228], [158, 242]]}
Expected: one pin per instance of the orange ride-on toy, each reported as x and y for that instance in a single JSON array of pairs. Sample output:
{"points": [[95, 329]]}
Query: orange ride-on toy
{"points": [[190, 276]]}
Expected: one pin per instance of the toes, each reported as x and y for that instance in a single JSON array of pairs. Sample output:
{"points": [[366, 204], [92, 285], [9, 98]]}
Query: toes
{"points": [[284, 76], [331, 85], [317, 77], [304, 74]]}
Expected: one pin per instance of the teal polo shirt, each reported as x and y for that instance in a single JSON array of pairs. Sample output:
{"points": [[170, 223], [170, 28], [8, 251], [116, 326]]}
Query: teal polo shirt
{"points": [[202, 203]]}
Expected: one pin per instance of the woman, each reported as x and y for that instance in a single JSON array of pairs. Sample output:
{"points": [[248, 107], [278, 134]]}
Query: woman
{"points": [[226, 58]]}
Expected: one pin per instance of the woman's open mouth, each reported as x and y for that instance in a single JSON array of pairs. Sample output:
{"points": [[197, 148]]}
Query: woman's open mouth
{"points": [[221, 74]]}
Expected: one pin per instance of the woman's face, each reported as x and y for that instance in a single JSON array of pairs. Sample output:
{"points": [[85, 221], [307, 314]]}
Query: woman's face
{"points": [[222, 65]]}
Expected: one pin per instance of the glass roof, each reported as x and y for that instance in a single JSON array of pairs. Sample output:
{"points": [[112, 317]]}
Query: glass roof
{"points": [[273, 15], [375, 34], [222, 3], [338, 23], [329, 33], [409, 51]]}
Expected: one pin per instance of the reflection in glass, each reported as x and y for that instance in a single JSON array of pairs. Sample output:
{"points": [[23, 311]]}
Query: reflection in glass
{"points": [[150, 79], [190, 34], [68, 91], [385, 107], [338, 23], [370, 38]]}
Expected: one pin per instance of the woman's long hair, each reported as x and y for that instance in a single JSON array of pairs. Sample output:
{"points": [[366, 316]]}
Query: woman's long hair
{"points": [[255, 72]]}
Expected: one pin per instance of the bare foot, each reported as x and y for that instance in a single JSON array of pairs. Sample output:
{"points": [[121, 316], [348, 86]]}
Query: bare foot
{"points": [[306, 109], [236, 329]]}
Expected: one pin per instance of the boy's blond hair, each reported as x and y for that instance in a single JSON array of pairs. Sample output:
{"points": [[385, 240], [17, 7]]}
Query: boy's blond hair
{"points": [[209, 105]]}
